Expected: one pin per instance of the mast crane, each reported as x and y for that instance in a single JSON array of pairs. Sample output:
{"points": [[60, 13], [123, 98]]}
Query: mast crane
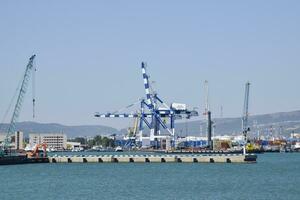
{"points": [[208, 114], [17, 109], [245, 126], [206, 88]]}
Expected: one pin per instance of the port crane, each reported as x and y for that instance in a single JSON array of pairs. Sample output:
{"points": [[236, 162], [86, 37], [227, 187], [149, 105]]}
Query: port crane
{"points": [[132, 133], [207, 113], [245, 126], [30, 70], [152, 112]]}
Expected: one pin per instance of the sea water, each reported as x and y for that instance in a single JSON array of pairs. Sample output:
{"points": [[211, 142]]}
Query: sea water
{"points": [[274, 176]]}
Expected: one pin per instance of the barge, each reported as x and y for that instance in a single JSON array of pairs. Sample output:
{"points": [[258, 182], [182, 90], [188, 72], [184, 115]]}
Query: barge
{"points": [[21, 159]]}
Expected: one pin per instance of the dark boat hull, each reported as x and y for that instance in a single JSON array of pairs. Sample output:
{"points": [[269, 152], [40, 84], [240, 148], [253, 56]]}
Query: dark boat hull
{"points": [[15, 160]]}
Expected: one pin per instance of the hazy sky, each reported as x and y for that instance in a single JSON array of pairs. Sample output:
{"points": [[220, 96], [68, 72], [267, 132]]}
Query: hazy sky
{"points": [[89, 55]]}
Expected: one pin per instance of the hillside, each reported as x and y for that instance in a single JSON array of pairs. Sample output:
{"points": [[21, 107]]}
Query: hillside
{"points": [[284, 122], [71, 131]]}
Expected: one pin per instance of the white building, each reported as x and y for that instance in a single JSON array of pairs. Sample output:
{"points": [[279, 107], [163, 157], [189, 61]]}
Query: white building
{"points": [[56, 141], [2, 137], [226, 137], [295, 135], [73, 145]]}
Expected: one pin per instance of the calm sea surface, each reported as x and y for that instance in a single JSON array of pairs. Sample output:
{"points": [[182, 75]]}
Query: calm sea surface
{"points": [[275, 176]]}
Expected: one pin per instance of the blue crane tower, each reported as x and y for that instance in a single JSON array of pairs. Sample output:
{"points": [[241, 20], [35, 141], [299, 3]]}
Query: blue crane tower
{"points": [[152, 112], [30, 69]]}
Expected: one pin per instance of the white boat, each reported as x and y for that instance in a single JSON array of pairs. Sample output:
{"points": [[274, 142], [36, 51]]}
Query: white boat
{"points": [[78, 149], [297, 146], [119, 149]]}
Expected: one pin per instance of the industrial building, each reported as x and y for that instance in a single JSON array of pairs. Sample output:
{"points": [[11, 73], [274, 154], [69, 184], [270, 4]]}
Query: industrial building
{"points": [[74, 146], [54, 141]]}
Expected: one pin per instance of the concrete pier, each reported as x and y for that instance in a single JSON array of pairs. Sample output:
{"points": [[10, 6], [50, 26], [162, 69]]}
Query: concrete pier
{"points": [[233, 158]]}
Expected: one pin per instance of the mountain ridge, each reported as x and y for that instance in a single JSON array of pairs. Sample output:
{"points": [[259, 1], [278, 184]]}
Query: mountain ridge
{"points": [[287, 122]]}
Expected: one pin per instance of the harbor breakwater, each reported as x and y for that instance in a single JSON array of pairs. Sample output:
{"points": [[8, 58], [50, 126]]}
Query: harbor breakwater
{"points": [[222, 158]]}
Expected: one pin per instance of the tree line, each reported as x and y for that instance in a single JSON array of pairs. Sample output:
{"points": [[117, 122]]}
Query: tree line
{"points": [[95, 141]]}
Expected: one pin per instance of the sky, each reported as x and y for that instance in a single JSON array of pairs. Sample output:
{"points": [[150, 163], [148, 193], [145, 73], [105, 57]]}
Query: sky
{"points": [[89, 55]]}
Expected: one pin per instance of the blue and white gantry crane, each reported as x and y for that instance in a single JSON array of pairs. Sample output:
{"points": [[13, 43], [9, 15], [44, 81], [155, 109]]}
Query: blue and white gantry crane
{"points": [[152, 112]]}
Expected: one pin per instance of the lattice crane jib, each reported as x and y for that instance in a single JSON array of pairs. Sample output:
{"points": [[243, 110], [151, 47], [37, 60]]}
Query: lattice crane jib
{"points": [[17, 109]]}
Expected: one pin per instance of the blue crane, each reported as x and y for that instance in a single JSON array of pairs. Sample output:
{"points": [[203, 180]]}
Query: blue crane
{"points": [[153, 111], [17, 109]]}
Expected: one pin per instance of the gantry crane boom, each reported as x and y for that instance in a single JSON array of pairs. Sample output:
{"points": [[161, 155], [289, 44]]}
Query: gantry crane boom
{"points": [[149, 96], [18, 106]]}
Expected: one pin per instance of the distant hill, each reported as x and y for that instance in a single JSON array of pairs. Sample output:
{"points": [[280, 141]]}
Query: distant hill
{"points": [[284, 123], [71, 131]]}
